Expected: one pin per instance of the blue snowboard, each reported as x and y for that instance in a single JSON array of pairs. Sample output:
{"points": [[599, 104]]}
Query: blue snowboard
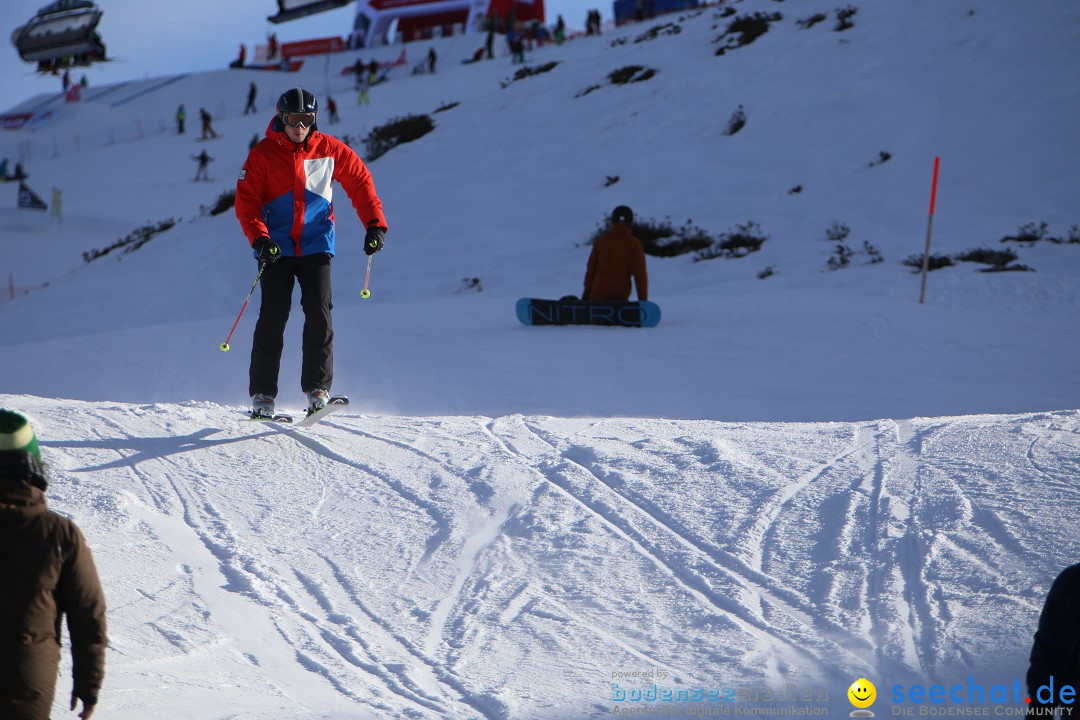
{"points": [[535, 311]]}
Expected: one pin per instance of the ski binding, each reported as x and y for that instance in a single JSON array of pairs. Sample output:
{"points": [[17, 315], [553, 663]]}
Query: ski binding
{"points": [[277, 418]]}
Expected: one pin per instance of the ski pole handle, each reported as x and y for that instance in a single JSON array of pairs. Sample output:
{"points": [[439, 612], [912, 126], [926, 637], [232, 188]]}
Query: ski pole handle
{"points": [[365, 293]]}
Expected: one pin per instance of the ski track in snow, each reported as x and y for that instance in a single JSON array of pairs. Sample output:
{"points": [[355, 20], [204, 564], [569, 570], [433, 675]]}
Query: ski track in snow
{"points": [[426, 558], [653, 539], [394, 661]]}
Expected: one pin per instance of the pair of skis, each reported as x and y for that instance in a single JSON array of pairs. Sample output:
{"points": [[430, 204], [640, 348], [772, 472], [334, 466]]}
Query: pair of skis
{"points": [[334, 404]]}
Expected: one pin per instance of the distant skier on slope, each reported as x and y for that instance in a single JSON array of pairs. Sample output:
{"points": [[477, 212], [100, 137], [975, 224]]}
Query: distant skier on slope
{"points": [[253, 91], [283, 203], [204, 160], [207, 128], [363, 85]]}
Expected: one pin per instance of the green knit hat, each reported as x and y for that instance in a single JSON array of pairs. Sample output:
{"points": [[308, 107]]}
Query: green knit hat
{"points": [[16, 434]]}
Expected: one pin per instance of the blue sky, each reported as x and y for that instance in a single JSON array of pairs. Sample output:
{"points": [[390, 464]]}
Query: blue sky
{"points": [[188, 36]]}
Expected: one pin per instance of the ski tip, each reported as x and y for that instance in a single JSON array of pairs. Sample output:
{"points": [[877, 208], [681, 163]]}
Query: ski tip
{"points": [[338, 402]]}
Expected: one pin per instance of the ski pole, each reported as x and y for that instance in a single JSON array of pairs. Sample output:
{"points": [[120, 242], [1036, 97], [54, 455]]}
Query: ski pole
{"points": [[225, 345], [365, 293]]}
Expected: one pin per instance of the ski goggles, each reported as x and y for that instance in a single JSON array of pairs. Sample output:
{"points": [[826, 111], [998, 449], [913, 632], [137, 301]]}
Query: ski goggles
{"points": [[295, 120]]}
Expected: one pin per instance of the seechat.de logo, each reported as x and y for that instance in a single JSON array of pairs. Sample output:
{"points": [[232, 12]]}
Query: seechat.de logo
{"points": [[972, 692]]}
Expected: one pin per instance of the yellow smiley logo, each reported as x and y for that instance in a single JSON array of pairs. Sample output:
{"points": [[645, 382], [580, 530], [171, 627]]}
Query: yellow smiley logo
{"points": [[862, 693]]}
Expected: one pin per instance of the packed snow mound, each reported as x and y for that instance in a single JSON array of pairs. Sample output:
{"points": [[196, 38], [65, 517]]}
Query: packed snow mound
{"points": [[528, 567]]}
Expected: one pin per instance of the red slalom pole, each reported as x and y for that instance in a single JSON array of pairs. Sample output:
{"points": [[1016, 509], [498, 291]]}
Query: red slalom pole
{"points": [[929, 227], [225, 345]]}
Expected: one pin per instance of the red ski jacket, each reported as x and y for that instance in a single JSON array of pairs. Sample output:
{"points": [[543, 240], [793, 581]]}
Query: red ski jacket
{"points": [[285, 191]]}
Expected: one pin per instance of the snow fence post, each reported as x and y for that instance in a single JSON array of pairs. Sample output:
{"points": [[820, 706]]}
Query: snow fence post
{"points": [[929, 227]]}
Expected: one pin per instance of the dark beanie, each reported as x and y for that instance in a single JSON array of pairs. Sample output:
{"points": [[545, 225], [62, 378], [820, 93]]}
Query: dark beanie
{"points": [[622, 214], [16, 434]]}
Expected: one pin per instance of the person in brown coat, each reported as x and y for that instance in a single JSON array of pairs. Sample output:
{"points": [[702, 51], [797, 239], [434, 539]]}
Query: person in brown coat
{"points": [[48, 572], [616, 257]]}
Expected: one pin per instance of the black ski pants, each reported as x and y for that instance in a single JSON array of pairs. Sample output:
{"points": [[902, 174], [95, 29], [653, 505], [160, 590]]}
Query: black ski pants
{"points": [[317, 368]]}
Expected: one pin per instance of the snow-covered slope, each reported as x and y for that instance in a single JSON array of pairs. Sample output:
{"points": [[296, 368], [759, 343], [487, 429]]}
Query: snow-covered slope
{"points": [[515, 567], [507, 516], [512, 183]]}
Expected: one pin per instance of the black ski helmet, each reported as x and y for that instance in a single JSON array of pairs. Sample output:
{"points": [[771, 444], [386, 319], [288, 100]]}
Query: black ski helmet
{"points": [[298, 100], [622, 214]]}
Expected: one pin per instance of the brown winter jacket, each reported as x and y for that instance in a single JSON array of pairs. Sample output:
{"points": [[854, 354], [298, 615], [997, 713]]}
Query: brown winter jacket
{"points": [[616, 257], [47, 572]]}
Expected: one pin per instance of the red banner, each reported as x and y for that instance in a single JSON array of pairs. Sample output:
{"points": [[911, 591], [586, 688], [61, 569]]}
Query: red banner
{"points": [[387, 4], [319, 46], [14, 122]]}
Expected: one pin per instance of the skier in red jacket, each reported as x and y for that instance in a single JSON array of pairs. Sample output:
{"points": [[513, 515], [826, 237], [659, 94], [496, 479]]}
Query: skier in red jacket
{"points": [[283, 203]]}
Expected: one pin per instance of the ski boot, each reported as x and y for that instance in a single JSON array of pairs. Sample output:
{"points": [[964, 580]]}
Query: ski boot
{"points": [[262, 407], [317, 400]]}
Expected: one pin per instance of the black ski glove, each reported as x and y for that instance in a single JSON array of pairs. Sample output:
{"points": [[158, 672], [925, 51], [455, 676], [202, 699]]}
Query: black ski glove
{"points": [[373, 241], [89, 703], [266, 250]]}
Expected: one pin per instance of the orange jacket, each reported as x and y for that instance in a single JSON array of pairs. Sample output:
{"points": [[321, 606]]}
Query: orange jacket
{"points": [[616, 257]]}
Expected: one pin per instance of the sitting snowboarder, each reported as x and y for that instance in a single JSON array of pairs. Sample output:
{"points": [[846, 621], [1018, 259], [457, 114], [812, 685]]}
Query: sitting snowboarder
{"points": [[617, 256]]}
